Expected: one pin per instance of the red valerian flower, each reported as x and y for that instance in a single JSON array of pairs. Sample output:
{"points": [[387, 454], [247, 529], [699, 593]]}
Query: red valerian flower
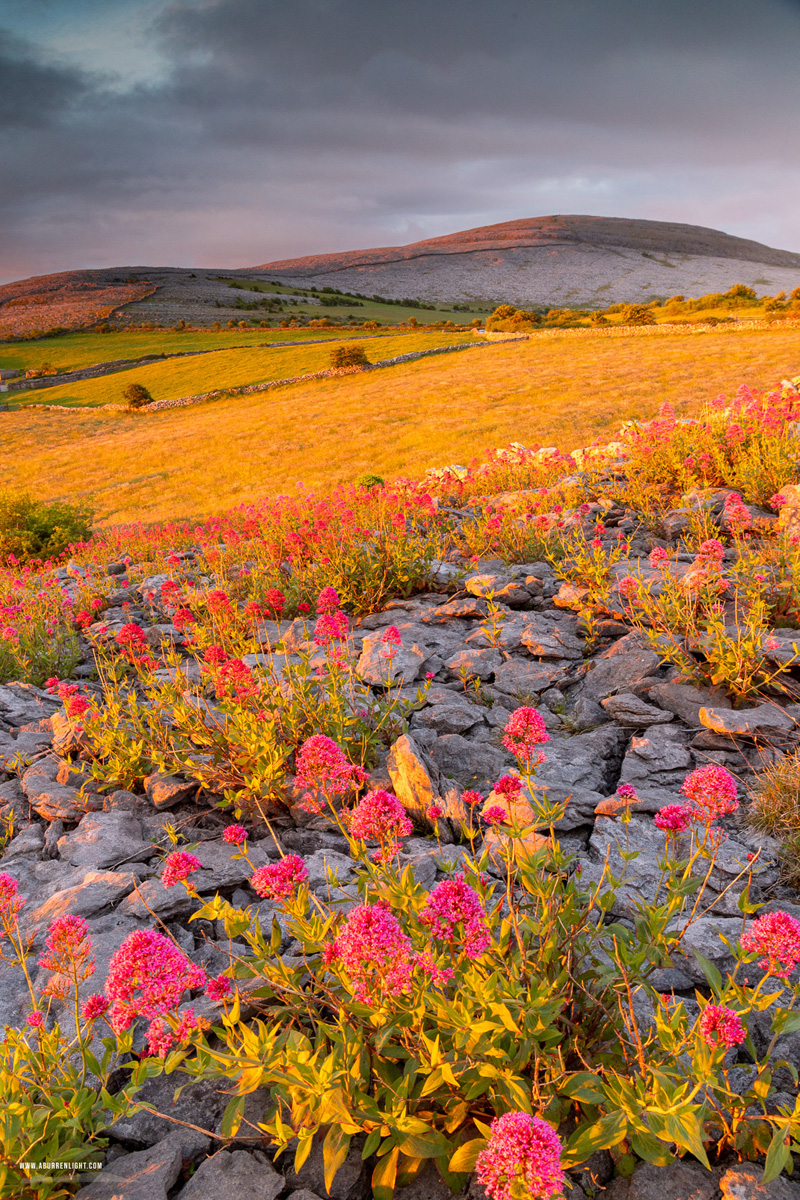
{"points": [[277, 881], [178, 866], [712, 791], [234, 835], [720, 1026], [454, 913], [524, 731], [523, 1154], [776, 937], [673, 818]]}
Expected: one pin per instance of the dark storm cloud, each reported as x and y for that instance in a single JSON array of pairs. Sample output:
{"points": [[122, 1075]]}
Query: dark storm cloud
{"points": [[281, 129]]}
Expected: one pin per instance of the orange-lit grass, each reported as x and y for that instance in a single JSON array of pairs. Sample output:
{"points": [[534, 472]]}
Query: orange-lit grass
{"points": [[201, 459]]}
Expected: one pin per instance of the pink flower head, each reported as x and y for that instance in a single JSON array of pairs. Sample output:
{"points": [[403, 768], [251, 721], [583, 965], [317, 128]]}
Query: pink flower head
{"points": [[218, 603], [68, 948], [391, 641], [471, 798], [434, 812], [524, 731], [657, 556], [628, 586], [275, 600], [218, 988], [94, 1006], [379, 816], [330, 627], [776, 501], [495, 815], [35, 1019], [776, 937], [177, 866], [147, 976], [720, 1026], [235, 835], [711, 549], [508, 785], [321, 766], [328, 600], [131, 637], [277, 881], [626, 791], [454, 913], [673, 818], [521, 1150], [10, 900], [374, 952], [712, 791]]}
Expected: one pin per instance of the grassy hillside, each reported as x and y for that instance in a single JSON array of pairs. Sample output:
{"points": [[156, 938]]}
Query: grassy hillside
{"points": [[552, 390], [176, 377]]}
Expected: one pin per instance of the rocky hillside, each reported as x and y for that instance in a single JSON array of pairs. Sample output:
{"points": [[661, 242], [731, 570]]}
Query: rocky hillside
{"points": [[571, 260], [515, 706]]}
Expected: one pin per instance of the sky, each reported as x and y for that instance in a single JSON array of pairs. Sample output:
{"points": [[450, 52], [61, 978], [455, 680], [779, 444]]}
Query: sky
{"points": [[236, 132]]}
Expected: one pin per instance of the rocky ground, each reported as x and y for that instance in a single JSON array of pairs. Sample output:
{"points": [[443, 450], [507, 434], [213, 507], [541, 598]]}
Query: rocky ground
{"points": [[615, 715]]}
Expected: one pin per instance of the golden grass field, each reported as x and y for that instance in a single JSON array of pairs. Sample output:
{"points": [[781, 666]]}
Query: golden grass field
{"points": [[562, 390], [177, 377]]}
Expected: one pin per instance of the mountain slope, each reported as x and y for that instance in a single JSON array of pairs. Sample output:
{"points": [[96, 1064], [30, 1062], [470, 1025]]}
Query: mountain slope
{"points": [[554, 260]]}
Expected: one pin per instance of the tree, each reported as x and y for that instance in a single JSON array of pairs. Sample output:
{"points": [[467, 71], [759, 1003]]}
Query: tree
{"points": [[349, 356], [638, 314], [136, 395]]}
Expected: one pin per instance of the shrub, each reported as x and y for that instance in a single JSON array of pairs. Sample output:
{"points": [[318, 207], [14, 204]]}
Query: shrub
{"points": [[32, 529], [369, 481], [638, 314], [776, 810], [136, 395], [349, 356]]}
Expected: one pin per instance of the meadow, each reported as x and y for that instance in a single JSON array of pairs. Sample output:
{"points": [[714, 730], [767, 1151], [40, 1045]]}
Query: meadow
{"points": [[562, 389], [229, 368]]}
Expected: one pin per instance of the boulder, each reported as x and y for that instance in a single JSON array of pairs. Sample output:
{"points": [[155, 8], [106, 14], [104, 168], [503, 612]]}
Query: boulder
{"points": [[628, 661], [685, 700], [143, 1175], [474, 663], [105, 839], [152, 897], [351, 1181], [471, 764], [200, 1103], [627, 709], [457, 716], [744, 1182], [165, 791], [765, 719], [521, 677], [414, 782], [234, 1175], [544, 637], [98, 891], [376, 668]]}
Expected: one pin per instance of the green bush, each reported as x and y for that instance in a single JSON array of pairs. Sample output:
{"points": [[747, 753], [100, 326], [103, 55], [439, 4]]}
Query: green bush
{"points": [[32, 529], [349, 356], [638, 314], [136, 395], [369, 481]]}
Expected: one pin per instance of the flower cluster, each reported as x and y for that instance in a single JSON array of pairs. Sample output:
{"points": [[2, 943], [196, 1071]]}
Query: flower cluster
{"points": [[234, 835], [454, 913], [776, 937], [147, 977], [10, 900], [374, 952], [321, 766], [673, 818], [721, 1026], [277, 881], [522, 1156], [178, 866], [67, 950], [712, 791], [524, 731], [379, 816]]}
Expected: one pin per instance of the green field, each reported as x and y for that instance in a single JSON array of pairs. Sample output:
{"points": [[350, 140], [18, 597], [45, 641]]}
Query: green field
{"points": [[177, 377], [365, 309]]}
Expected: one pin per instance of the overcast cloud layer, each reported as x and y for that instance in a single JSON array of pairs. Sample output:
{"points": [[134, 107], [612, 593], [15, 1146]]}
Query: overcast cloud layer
{"points": [[231, 132]]}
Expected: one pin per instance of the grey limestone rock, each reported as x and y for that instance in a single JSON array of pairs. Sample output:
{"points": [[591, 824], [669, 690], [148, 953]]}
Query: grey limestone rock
{"points": [[105, 839], [144, 1175], [233, 1175]]}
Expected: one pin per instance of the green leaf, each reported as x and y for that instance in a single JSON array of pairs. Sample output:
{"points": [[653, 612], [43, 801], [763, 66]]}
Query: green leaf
{"points": [[384, 1176], [334, 1152], [685, 1131], [232, 1117], [304, 1143], [651, 1149], [465, 1157], [608, 1131], [424, 1145], [371, 1144], [711, 973], [778, 1156], [584, 1086]]}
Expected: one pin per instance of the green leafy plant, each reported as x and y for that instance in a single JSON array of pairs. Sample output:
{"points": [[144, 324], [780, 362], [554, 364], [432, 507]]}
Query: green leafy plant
{"points": [[349, 356], [136, 395], [31, 528]]}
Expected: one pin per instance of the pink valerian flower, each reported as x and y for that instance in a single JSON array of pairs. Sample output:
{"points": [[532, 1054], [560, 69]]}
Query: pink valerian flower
{"points": [[94, 1007], [524, 731], [218, 987], [68, 948], [628, 586], [472, 798], [737, 517], [425, 962], [657, 556], [328, 600], [776, 937], [275, 600], [277, 881], [178, 866], [523, 1153], [434, 812], [331, 627], [235, 681], [712, 791], [495, 815], [35, 1019], [508, 785], [673, 818], [776, 501], [390, 640], [161, 1037], [379, 816], [10, 900], [131, 638], [454, 913], [218, 603], [721, 1026], [626, 791], [147, 977], [712, 549], [321, 766], [215, 656], [234, 835], [374, 952]]}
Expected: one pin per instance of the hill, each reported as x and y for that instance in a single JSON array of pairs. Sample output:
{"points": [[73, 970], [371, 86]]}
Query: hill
{"points": [[554, 260]]}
